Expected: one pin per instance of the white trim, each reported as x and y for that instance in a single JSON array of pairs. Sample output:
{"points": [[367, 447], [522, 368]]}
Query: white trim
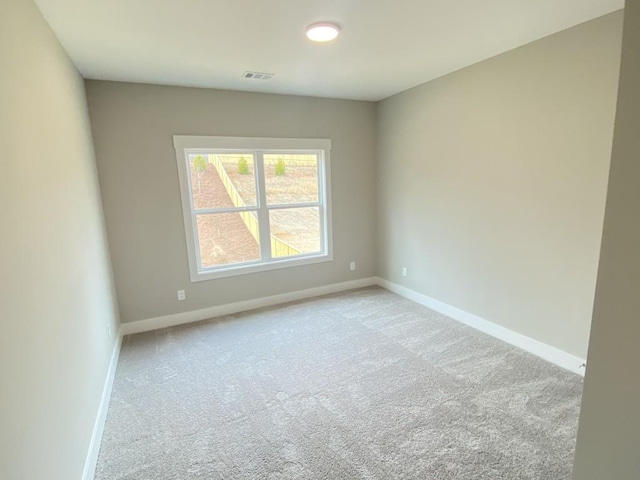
{"points": [[101, 417], [196, 142], [260, 266], [542, 350], [547, 352], [231, 308], [186, 145]]}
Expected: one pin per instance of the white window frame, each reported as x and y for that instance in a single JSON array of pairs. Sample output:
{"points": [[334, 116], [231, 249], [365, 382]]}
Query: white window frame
{"points": [[189, 144]]}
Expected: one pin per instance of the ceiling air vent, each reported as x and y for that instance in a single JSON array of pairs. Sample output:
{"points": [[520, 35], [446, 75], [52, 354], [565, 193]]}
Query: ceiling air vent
{"points": [[257, 75]]}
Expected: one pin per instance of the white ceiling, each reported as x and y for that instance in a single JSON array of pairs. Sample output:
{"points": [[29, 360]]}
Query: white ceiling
{"points": [[385, 46]]}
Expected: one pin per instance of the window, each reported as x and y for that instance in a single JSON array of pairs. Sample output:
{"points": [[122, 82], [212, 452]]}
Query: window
{"points": [[253, 204]]}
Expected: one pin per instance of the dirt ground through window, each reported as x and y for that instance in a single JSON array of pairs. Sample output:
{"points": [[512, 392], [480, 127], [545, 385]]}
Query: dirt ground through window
{"points": [[224, 238]]}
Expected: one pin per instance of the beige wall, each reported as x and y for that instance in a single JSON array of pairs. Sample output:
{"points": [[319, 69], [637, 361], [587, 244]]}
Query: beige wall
{"points": [[492, 183], [55, 284], [609, 434], [133, 126]]}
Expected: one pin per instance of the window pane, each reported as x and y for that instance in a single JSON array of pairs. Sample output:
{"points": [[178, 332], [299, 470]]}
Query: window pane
{"points": [[222, 181], [291, 178], [226, 238], [294, 231]]}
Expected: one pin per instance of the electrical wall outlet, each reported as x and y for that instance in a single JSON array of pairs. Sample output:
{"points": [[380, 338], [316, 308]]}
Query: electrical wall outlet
{"points": [[181, 295], [404, 271], [352, 266]]}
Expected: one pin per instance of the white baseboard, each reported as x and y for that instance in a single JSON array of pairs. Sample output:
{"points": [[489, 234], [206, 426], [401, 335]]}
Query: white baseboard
{"points": [[98, 427], [547, 352], [231, 308], [542, 350]]}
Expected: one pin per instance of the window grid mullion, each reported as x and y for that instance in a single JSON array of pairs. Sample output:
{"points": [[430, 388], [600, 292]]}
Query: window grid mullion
{"points": [[263, 212], [284, 206], [206, 211]]}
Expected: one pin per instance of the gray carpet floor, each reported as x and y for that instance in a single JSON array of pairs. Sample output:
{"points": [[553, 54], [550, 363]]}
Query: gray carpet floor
{"points": [[361, 385]]}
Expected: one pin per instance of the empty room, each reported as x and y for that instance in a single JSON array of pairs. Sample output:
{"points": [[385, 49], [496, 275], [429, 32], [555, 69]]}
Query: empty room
{"points": [[304, 239]]}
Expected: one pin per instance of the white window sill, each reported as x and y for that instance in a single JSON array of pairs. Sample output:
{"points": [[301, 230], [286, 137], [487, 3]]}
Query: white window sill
{"points": [[258, 266]]}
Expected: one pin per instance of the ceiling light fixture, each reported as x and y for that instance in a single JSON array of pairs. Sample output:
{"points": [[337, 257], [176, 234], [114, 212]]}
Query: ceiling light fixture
{"points": [[322, 32]]}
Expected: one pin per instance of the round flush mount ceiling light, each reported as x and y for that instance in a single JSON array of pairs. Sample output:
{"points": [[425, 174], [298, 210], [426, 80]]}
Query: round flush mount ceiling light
{"points": [[322, 32]]}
